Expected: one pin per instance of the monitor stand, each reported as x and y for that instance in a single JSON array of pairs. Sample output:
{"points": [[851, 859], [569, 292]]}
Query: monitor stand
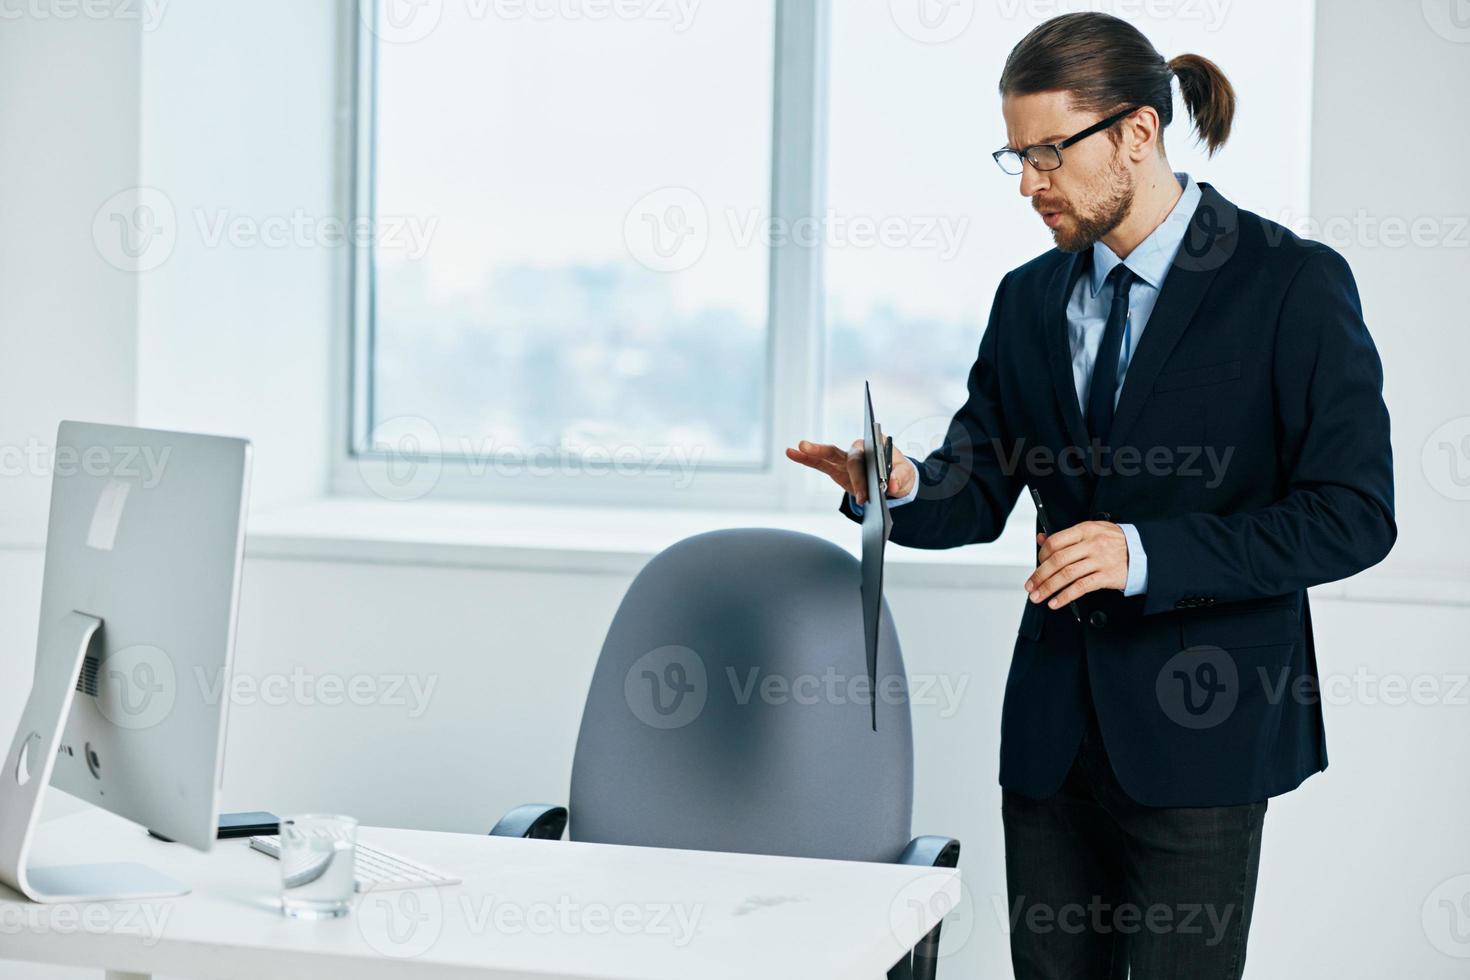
{"points": [[27, 774]]}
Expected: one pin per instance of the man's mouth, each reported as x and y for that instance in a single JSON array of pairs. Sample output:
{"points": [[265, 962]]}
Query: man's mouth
{"points": [[1052, 218]]}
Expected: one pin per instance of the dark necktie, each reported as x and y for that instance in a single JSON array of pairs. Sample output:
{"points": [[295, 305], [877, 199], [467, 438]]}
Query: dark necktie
{"points": [[1105, 369]]}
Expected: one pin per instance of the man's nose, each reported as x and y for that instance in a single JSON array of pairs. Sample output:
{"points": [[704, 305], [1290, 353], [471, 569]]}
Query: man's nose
{"points": [[1033, 181]]}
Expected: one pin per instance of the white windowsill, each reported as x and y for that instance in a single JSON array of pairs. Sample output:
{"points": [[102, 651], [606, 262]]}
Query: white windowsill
{"points": [[543, 537], [546, 538]]}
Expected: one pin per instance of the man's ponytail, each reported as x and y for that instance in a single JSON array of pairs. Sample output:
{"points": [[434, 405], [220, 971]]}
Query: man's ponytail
{"points": [[1209, 96]]}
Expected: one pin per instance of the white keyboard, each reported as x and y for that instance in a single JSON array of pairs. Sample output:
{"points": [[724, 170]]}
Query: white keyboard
{"points": [[374, 869]]}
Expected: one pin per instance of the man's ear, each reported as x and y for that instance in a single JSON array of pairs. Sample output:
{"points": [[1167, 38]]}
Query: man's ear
{"points": [[1141, 134]]}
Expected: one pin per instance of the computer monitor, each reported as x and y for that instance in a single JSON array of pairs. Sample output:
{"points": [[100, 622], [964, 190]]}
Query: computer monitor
{"points": [[130, 694]]}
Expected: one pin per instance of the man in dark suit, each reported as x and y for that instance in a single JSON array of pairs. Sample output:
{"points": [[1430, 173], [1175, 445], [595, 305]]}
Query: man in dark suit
{"points": [[1193, 392]]}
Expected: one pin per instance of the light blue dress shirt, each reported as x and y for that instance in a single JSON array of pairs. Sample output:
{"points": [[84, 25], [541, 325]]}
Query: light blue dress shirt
{"points": [[1087, 317]]}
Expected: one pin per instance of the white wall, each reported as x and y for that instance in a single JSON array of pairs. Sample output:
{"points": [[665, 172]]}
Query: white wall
{"points": [[202, 115], [235, 321], [1350, 859], [69, 138], [1389, 78]]}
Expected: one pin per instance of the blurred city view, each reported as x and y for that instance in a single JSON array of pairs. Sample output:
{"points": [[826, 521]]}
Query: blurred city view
{"points": [[531, 323], [571, 358], [601, 356]]}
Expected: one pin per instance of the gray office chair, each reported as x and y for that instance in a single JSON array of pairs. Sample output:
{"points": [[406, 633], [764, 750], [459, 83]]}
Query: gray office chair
{"points": [[685, 743]]}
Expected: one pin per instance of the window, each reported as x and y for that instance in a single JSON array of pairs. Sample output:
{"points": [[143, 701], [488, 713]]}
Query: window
{"points": [[561, 270], [659, 241], [907, 302]]}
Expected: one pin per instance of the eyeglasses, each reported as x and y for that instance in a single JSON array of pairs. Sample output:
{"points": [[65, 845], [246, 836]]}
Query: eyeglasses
{"points": [[1048, 156]]}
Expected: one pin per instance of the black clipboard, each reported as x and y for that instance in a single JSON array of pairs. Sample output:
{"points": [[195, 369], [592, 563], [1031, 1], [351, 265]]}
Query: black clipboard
{"points": [[877, 525]]}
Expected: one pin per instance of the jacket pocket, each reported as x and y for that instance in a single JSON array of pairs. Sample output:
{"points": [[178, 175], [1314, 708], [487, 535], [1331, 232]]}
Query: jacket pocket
{"points": [[1033, 619], [1197, 377], [1264, 626]]}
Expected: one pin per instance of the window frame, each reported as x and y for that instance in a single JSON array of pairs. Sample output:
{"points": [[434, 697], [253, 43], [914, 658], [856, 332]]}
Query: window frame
{"points": [[794, 308]]}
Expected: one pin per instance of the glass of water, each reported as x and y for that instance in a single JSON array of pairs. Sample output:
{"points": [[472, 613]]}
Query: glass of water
{"points": [[317, 856]]}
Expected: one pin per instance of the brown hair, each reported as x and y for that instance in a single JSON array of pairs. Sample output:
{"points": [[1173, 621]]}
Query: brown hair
{"points": [[1107, 64]]}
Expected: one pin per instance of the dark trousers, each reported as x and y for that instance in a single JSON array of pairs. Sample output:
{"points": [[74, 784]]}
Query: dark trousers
{"points": [[1103, 887]]}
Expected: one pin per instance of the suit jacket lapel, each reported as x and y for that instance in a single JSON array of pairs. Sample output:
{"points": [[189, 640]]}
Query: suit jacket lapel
{"points": [[1208, 244], [1058, 349]]}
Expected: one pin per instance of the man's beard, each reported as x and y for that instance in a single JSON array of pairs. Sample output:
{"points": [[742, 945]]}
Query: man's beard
{"points": [[1107, 215]]}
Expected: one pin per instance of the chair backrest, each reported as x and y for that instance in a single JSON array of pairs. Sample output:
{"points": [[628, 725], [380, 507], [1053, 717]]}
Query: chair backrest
{"points": [[729, 709]]}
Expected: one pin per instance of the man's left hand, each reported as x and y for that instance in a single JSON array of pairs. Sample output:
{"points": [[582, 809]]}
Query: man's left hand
{"points": [[1077, 560]]}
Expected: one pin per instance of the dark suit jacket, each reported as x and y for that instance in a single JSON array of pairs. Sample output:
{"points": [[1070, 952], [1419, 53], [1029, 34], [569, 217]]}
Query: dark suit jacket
{"points": [[1252, 453]]}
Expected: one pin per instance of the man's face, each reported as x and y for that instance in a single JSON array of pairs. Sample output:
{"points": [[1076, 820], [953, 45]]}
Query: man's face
{"points": [[1091, 192]]}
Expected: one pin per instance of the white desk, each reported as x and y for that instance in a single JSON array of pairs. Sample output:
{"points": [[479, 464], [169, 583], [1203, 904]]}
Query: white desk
{"points": [[528, 910]]}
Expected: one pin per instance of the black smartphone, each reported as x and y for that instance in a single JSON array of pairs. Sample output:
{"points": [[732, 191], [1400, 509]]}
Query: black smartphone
{"points": [[246, 824], [1046, 529]]}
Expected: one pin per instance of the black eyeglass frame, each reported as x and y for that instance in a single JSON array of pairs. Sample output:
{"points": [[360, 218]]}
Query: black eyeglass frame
{"points": [[1024, 154]]}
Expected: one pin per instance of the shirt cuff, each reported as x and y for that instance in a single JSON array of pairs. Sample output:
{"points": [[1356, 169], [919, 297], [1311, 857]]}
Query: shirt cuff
{"points": [[1137, 562], [893, 502]]}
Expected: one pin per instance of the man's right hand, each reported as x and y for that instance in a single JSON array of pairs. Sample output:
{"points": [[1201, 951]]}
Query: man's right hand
{"points": [[847, 469]]}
